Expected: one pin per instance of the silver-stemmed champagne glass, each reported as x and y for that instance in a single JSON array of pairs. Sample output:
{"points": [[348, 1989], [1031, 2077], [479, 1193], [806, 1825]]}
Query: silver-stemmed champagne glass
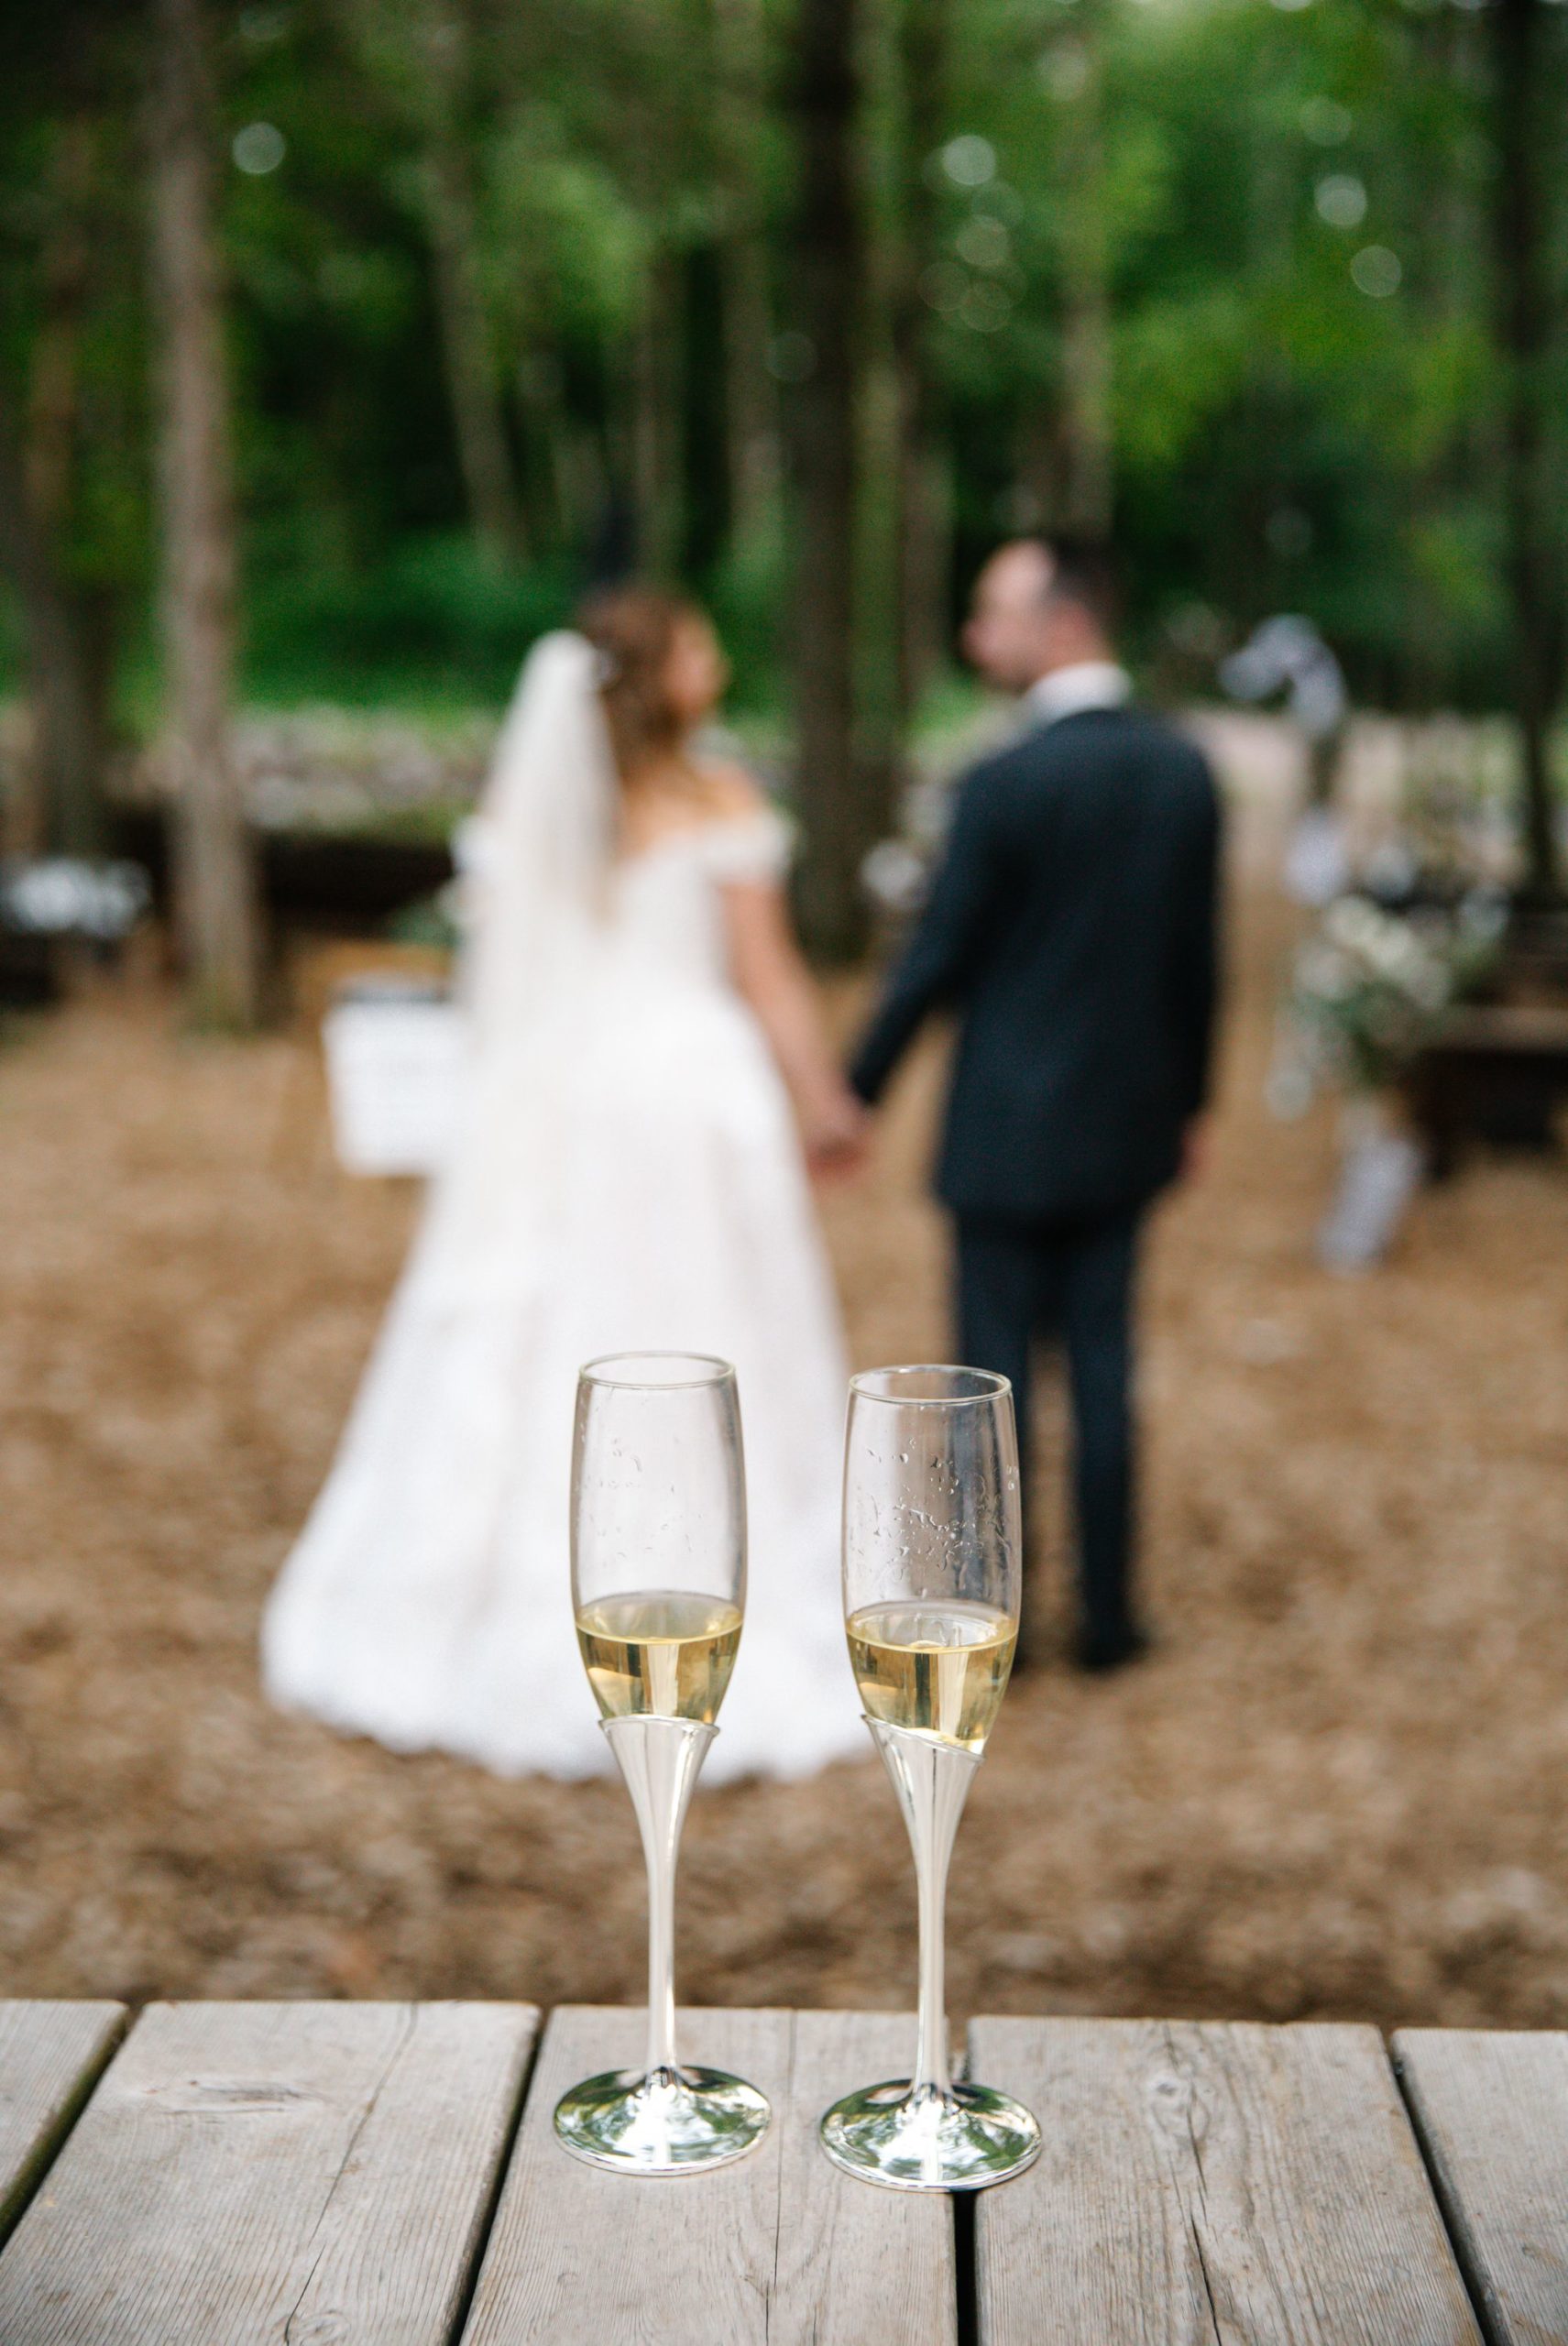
{"points": [[659, 1587], [932, 1574]]}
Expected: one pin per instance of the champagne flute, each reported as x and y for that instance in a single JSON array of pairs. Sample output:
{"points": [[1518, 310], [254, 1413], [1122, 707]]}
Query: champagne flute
{"points": [[932, 1569], [659, 1588]]}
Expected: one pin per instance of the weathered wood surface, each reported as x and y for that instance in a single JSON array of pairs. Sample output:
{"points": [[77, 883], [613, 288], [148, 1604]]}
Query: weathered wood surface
{"points": [[1211, 2185], [49, 2056], [854, 2265], [1492, 2111], [778, 2248], [307, 2173]]}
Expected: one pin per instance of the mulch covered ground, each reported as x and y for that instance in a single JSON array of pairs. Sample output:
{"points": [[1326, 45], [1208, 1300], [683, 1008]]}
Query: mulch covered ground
{"points": [[1337, 1788]]}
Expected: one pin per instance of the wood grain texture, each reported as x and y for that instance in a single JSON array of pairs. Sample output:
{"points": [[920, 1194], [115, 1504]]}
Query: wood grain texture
{"points": [[778, 2248], [307, 2174], [854, 2265], [1492, 2111], [1211, 2185], [50, 2057]]}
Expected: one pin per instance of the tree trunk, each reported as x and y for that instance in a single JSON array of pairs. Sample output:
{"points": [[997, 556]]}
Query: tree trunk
{"points": [[750, 401], [552, 477], [419, 52], [66, 735], [214, 863], [1086, 484], [56, 355], [656, 418], [750, 398], [923, 29], [1533, 573], [839, 807], [68, 679], [488, 482]]}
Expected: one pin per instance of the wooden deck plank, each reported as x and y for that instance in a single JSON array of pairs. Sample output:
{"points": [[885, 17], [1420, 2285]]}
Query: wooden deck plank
{"points": [[777, 2248], [50, 2057], [318, 2173], [854, 2263], [1492, 2112], [1211, 2185]]}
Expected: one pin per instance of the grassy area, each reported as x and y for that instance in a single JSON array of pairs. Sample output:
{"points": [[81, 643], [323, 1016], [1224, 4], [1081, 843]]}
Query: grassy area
{"points": [[433, 630]]}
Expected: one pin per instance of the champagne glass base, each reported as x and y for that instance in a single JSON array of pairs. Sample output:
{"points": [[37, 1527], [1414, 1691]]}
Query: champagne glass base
{"points": [[958, 2141], [666, 2122]]}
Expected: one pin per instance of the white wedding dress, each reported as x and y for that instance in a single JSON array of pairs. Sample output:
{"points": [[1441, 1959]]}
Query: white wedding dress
{"points": [[626, 1176]]}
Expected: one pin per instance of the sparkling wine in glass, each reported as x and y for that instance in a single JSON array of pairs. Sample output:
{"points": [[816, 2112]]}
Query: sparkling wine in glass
{"points": [[932, 1574], [664, 1653], [659, 1588]]}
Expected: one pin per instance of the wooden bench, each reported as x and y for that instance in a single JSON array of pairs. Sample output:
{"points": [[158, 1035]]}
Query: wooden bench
{"points": [[385, 2175], [1495, 1067]]}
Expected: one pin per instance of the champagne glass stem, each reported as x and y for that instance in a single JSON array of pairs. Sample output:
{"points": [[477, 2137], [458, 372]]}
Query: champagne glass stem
{"points": [[931, 1779], [668, 2120], [660, 1758], [661, 1861], [933, 2072]]}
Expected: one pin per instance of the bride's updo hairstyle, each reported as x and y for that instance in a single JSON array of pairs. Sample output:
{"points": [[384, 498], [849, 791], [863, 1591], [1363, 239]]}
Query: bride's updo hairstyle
{"points": [[633, 630]]}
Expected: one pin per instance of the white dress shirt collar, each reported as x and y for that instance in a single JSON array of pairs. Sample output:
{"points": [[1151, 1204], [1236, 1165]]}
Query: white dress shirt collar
{"points": [[1088, 683]]}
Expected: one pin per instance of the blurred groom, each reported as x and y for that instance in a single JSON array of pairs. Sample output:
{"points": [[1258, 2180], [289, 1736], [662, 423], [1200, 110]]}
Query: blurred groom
{"points": [[1073, 928]]}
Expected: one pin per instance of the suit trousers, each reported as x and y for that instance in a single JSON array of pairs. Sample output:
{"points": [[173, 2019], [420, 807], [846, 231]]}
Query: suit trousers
{"points": [[1020, 1283]]}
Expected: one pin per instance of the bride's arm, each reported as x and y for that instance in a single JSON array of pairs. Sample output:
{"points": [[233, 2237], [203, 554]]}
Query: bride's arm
{"points": [[769, 971]]}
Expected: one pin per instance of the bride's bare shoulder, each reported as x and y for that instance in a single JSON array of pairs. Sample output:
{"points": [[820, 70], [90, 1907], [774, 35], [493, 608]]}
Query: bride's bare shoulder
{"points": [[729, 793]]}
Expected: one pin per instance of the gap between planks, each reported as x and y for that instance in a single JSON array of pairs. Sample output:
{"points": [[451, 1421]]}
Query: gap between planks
{"points": [[304, 2172], [1211, 2182], [779, 2250], [1490, 2110], [51, 2056]]}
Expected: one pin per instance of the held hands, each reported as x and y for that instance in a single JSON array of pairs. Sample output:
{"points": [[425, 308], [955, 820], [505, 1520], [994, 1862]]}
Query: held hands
{"points": [[836, 1133], [1197, 1149]]}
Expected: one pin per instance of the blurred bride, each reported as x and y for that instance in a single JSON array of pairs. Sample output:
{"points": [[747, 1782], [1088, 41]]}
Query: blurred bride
{"points": [[627, 1176]]}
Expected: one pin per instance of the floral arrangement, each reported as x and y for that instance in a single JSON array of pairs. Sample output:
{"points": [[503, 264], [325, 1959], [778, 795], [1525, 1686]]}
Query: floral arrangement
{"points": [[57, 895], [1370, 988]]}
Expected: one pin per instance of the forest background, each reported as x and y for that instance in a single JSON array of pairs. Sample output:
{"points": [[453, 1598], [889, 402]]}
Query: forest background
{"points": [[393, 322]]}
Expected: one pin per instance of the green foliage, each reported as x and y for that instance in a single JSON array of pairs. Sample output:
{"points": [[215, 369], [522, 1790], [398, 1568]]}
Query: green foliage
{"points": [[434, 621], [1288, 206], [1292, 208], [749, 595]]}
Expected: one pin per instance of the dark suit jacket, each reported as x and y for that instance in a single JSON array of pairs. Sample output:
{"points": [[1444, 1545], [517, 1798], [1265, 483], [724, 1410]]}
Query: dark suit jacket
{"points": [[1072, 926]]}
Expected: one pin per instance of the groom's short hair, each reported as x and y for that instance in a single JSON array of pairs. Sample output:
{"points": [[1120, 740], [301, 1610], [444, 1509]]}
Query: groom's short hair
{"points": [[1082, 571]]}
